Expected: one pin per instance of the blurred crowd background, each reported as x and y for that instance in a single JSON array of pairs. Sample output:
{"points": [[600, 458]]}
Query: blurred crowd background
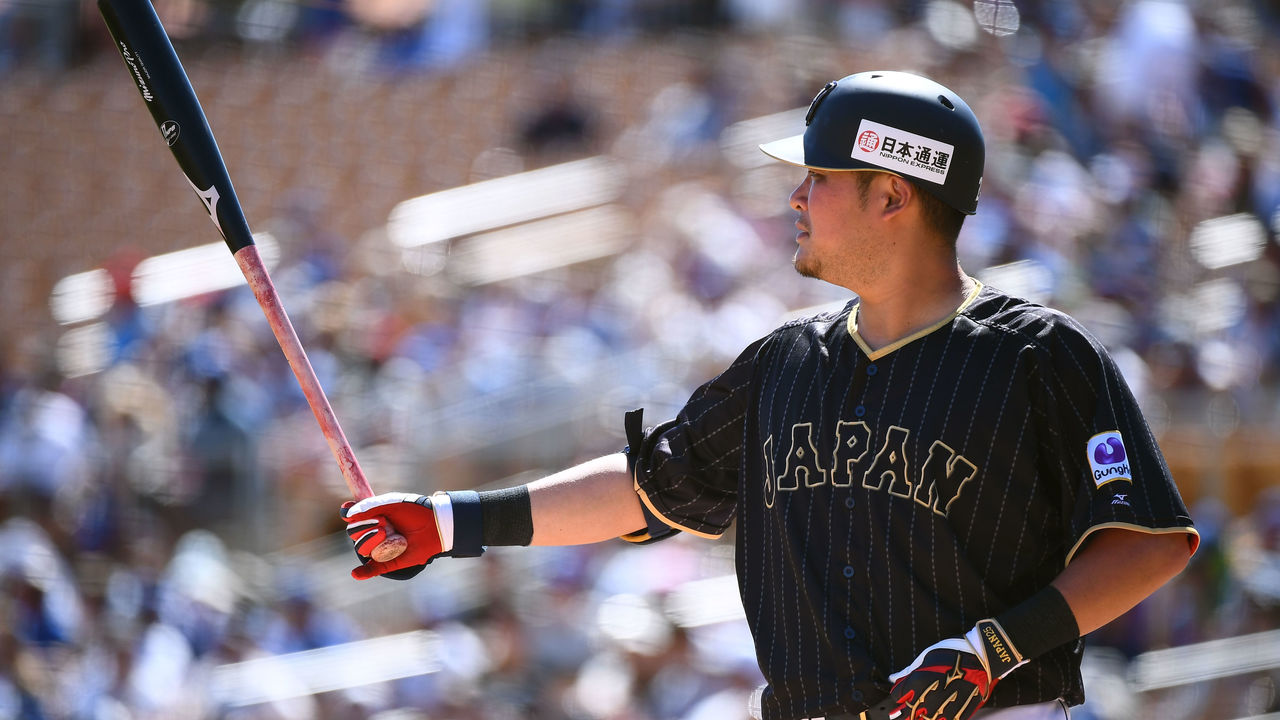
{"points": [[171, 547]]}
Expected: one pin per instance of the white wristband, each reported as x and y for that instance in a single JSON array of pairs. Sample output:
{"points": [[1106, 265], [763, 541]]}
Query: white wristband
{"points": [[443, 508]]}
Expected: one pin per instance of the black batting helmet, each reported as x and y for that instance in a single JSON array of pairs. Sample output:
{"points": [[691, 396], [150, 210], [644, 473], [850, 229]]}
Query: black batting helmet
{"points": [[896, 122]]}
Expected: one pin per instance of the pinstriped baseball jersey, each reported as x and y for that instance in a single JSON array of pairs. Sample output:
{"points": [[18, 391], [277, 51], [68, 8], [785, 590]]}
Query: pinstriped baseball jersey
{"points": [[888, 499]]}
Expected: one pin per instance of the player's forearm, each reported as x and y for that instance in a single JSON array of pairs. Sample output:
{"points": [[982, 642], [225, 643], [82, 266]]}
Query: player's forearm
{"points": [[1116, 570], [587, 503]]}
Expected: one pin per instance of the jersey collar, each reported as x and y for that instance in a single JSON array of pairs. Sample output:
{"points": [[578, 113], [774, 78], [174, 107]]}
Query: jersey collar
{"points": [[852, 326]]}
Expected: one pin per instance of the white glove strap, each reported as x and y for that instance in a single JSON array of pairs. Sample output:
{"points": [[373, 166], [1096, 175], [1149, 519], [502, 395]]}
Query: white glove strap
{"points": [[378, 501], [958, 644], [443, 508]]}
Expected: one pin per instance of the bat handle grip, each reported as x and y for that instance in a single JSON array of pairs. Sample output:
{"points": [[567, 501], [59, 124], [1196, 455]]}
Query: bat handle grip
{"points": [[255, 272]]}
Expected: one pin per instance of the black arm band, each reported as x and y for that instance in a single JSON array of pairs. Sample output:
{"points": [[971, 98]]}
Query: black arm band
{"points": [[506, 517], [1041, 623]]}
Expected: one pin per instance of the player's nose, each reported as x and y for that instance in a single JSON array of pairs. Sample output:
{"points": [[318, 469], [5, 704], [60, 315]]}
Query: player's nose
{"points": [[799, 199]]}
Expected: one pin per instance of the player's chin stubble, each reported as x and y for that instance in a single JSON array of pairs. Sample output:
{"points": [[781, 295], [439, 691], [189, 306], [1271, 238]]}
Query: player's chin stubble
{"points": [[806, 266]]}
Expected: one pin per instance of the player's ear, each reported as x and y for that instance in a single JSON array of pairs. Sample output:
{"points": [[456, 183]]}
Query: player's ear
{"points": [[895, 194]]}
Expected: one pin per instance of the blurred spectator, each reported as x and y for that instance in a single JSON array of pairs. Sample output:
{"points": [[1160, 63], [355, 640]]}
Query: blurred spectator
{"points": [[222, 456], [560, 126], [45, 34], [450, 32], [18, 699], [684, 120], [45, 442], [1148, 72]]}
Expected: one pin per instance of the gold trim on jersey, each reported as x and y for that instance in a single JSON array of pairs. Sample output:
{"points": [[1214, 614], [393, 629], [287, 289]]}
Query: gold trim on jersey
{"points": [[639, 536], [1194, 539], [852, 327], [644, 498]]}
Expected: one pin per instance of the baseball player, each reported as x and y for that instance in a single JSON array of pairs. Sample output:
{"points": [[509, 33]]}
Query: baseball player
{"points": [[939, 488]]}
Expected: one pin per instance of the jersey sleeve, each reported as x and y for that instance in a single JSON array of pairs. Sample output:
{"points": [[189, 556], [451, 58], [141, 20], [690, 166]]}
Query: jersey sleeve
{"points": [[686, 469], [1097, 444]]}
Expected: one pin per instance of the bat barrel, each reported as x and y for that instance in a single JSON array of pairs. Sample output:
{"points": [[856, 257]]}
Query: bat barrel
{"points": [[154, 66]]}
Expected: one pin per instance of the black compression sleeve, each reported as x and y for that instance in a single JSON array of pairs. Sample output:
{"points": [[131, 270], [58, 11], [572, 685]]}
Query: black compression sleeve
{"points": [[1040, 624], [506, 517]]}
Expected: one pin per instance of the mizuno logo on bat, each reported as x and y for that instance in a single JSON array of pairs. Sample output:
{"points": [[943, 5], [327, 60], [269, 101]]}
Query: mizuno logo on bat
{"points": [[210, 199], [139, 73]]}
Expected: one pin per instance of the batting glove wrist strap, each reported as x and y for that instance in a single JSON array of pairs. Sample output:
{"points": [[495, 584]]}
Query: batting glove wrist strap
{"points": [[468, 525], [994, 649]]}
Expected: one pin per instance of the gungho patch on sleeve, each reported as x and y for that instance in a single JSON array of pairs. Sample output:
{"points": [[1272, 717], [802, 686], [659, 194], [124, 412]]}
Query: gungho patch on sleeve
{"points": [[903, 152], [1108, 459]]}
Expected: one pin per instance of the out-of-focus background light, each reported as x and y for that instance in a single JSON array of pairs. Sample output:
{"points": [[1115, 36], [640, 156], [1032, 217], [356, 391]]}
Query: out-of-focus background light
{"points": [[499, 225]]}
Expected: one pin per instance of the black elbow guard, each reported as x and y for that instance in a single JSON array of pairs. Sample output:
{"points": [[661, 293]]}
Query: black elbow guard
{"points": [[655, 529]]}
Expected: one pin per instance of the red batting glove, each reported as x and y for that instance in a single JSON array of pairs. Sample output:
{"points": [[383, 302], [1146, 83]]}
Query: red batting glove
{"points": [[411, 515]]}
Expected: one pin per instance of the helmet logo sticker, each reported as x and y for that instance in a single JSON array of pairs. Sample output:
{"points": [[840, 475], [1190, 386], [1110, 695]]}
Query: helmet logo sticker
{"points": [[903, 152], [817, 100]]}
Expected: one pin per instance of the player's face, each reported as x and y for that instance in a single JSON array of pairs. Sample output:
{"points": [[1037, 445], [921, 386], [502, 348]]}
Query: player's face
{"points": [[832, 239]]}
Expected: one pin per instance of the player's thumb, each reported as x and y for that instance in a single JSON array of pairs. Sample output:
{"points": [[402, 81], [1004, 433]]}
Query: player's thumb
{"points": [[350, 513], [371, 569], [397, 569]]}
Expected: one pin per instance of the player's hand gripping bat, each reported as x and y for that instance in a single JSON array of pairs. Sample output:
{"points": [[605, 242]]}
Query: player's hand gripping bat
{"points": [[155, 68]]}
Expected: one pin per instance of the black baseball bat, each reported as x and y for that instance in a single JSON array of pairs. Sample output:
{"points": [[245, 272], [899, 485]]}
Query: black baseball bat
{"points": [[169, 96]]}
